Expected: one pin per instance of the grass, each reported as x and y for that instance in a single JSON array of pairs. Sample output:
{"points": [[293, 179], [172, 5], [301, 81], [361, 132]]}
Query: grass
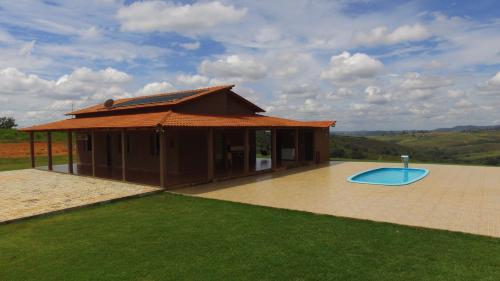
{"points": [[7, 164], [166, 237]]}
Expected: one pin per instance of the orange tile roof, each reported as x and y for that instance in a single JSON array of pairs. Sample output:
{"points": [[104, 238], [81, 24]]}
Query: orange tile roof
{"points": [[175, 119], [201, 92], [112, 121]]}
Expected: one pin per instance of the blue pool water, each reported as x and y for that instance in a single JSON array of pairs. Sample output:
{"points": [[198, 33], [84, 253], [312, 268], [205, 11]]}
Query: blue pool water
{"points": [[389, 176]]}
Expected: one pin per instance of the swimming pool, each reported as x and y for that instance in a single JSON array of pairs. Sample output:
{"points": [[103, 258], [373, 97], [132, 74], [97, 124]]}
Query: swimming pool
{"points": [[389, 176]]}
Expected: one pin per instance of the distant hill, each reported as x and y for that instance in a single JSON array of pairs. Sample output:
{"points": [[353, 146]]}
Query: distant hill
{"points": [[468, 128], [466, 145], [462, 128]]}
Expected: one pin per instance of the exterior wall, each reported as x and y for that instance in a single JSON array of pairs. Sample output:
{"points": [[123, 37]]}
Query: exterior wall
{"points": [[186, 153], [321, 144], [139, 156], [221, 103]]}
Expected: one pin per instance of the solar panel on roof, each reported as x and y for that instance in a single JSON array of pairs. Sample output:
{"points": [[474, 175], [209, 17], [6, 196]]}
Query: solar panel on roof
{"points": [[157, 99]]}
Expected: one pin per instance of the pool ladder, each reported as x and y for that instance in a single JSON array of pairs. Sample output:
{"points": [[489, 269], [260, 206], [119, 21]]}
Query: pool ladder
{"points": [[405, 159]]}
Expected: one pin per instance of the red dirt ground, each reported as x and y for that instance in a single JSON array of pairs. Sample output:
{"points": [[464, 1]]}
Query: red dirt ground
{"points": [[17, 150]]}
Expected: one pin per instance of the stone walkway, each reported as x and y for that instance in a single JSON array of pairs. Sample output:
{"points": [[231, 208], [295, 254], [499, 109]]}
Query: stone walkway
{"points": [[451, 197], [25, 193]]}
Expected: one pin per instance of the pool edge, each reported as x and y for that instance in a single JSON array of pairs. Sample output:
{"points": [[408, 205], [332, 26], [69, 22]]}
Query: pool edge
{"points": [[350, 179]]}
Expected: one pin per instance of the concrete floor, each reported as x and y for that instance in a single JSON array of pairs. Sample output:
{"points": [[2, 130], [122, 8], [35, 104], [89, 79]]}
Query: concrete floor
{"points": [[451, 197], [30, 192]]}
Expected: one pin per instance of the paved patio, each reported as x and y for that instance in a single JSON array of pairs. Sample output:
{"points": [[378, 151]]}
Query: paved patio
{"points": [[451, 197], [25, 193]]}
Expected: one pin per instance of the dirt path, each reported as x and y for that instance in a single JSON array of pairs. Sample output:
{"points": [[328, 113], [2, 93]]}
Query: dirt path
{"points": [[22, 149]]}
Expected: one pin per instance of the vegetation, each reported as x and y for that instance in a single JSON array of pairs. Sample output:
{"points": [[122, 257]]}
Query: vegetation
{"points": [[173, 237], [466, 147], [7, 164], [12, 135], [7, 123]]}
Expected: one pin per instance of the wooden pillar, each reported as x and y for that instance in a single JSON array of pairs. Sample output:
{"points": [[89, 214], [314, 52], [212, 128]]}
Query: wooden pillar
{"points": [[124, 154], [210, 154], [92, 144], [273, 149], [49, 150], [70, 152], [163, 158], [32, 149], [296, 145], [246, 152]]}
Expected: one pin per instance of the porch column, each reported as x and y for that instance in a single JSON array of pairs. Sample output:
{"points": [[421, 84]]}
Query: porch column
{"points": [[210, 154], [92, 144], [49, 150], [246, 153], [163, 158], [70, 152], [296, 145], [124, 154], [273, 149], [32, 149]]}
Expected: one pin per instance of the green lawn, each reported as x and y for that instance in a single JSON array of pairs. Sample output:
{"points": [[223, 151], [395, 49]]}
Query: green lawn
{"points": [[169, 236], [7, 164]]}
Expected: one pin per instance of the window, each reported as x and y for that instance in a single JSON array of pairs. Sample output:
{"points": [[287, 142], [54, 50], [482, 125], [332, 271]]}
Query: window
{"points": [[154, 144]]}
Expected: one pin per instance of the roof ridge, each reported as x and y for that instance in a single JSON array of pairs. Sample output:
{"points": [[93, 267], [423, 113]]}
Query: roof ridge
{"points": [[167, 114], [199, 90]]}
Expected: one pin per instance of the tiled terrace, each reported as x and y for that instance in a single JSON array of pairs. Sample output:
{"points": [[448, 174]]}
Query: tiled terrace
{"points": [[451, 197], [25, 193]]}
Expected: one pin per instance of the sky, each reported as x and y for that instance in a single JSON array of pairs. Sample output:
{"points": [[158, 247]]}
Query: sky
{"points": [[369, 65]]}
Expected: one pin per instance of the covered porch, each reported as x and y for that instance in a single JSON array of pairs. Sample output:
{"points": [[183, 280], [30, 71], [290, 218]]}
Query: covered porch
{"points": [[176, 156]]}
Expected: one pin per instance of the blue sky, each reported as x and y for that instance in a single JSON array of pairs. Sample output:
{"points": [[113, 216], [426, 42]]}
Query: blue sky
{"points": [[367, 64]]}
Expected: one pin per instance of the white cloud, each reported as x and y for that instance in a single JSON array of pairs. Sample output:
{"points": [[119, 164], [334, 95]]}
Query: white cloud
{"points": [[380, 35], [351, 68], [359, 106], [375, 95], [155, 88], [455, 93], [82, 83], [191, 46], [192, 81], [416, 81], [47, 99], [27, 48], [15, 82], [105, 76], [292, 65], [495, 80], [233, 68], [463, 103], [300, 91], [92, 32], [491, 87], [5, 37], [313, 106], [167, 16], [119, 51], [340, 93], [268, 35]]}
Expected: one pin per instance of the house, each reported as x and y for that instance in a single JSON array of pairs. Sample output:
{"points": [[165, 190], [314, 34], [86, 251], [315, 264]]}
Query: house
{"points": [[184, 137]]}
